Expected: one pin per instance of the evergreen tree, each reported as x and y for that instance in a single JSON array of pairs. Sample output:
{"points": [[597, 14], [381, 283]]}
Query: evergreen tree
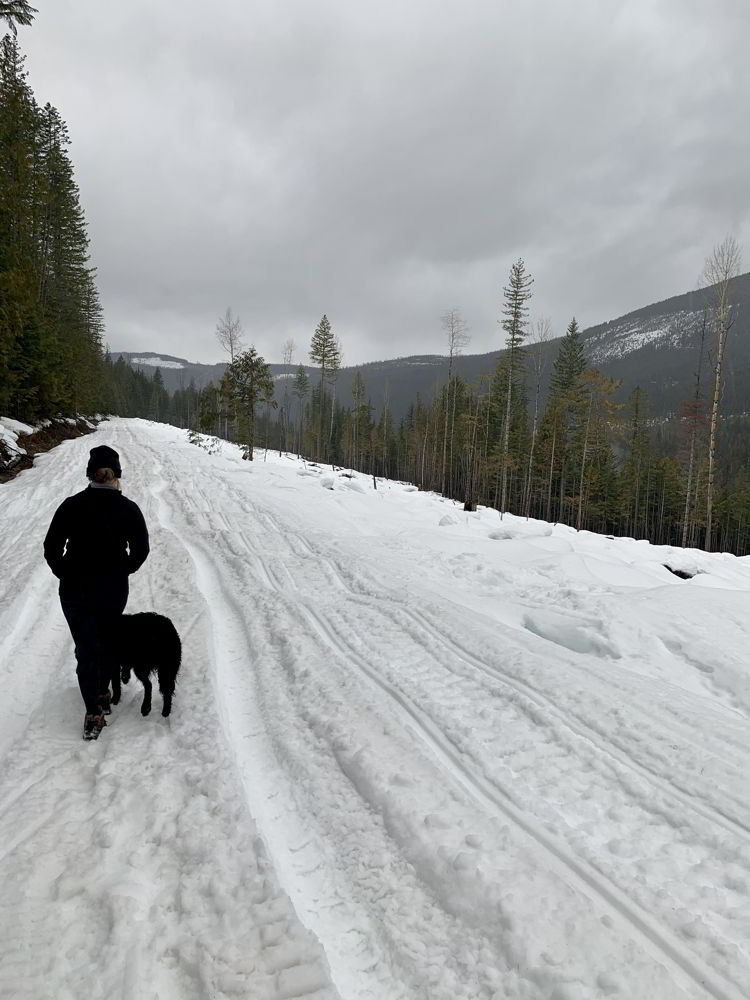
{"points": [[561, 430], [51, 354], [596, 487], [19, 321], [15, 12], [569, 365], [636, 473], [326, 353], [361, 420], [248, 381], [516, 294]]}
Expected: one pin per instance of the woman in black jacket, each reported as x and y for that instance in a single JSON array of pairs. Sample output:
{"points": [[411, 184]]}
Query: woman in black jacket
{"points": [[97, 538]]}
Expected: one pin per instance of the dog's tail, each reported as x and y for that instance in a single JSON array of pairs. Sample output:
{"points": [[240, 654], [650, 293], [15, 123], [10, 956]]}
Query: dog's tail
{"points": [[170, 662]]}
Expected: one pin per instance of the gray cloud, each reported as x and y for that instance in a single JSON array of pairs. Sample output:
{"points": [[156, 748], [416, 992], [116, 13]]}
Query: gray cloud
{"points": [[382, 164]]}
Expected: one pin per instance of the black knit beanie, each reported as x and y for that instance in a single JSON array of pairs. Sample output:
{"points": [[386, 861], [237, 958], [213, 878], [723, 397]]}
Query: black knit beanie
{"points": [[103, 457]]}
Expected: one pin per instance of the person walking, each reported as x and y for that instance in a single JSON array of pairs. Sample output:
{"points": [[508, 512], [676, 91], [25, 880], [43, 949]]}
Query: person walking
{"points": [[96, 539]]}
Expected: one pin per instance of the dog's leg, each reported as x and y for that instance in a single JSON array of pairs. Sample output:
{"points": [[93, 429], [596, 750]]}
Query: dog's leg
{"points": [[166, 686], [125, 675], [146, 706]]}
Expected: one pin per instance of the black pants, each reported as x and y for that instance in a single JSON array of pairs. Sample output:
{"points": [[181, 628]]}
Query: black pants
{"points": [[92, 609]]}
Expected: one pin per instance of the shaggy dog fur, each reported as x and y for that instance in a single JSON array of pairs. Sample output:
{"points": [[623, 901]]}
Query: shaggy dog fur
{"points": [[148, 643]]}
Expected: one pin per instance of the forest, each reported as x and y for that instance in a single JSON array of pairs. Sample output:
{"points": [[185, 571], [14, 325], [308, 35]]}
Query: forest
{"points": [[573, 456]]}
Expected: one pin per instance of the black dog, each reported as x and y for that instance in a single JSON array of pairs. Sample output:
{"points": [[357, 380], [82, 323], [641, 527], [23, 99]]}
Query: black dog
{"points": [[148, 643]]}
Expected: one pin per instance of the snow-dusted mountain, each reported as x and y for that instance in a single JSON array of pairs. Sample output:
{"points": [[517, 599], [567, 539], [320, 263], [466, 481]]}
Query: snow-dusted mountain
{"points": [[655, 347], [671, 331], [177, 373]]}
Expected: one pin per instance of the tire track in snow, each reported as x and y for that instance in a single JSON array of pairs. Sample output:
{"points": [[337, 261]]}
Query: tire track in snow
{"points": [[231, 625], [659, 941], [334, 924], [537, 697], [710, 812], [232, 645], [427, 736], [579, 728]]}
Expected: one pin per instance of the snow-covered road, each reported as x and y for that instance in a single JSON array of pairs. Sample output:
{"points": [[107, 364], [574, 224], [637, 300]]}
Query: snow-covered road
{"points": [[407, 759]]}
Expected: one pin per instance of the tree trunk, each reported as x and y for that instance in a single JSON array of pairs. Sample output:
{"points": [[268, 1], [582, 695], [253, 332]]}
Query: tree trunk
{"points": [[712, 438], [551, 472], [506, 438], [689, 487], [583, 466]]}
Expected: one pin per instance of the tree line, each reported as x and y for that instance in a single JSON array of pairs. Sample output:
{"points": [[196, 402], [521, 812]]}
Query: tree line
{"points": [[575, 457], [52, 358], [51, 325]]}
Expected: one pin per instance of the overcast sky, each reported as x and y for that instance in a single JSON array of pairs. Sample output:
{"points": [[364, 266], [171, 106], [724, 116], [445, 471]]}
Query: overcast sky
{"points": [[383, 162]]}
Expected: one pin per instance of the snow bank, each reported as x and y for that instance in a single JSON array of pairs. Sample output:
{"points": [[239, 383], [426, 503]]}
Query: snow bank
{"points": [[10, 430]]}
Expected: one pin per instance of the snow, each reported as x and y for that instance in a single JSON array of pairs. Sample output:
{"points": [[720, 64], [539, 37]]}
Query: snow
{"points": [[157, 362], [9, 432], [619, 338], [415, 752]]}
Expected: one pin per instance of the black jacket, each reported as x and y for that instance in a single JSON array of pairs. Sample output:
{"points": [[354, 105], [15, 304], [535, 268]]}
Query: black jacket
{"points": [[97, 532]]}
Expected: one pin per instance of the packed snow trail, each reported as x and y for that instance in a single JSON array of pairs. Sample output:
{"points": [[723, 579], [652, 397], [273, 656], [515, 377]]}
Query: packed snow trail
{"points": [[407, 759]]}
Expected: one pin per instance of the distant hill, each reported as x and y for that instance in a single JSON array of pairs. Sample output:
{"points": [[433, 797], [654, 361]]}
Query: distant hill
{"points": [[655, 347], [176, 372]]}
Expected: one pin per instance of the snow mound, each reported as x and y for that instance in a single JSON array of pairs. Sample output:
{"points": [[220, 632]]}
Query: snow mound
{"points": [[156, 362], [10, 431]]}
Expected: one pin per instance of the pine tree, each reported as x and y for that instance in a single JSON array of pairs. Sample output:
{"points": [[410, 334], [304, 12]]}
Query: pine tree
{"points": [[19, 322], [595, 482], [517, 294], [360, 419], [565, 416], [248, 381], [16, 12], [569, 365], [51, 354], [325, 352], [636, 473]]}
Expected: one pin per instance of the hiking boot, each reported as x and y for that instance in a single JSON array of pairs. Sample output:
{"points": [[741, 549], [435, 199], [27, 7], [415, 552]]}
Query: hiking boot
{"points": [[105, 704], [93, 725]]}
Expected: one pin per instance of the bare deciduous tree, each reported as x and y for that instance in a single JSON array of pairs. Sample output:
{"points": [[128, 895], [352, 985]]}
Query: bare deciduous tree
{"points": [[693, 414], [229, 334], [721, 267], [457, 334], [541, 335], [287, 355]]}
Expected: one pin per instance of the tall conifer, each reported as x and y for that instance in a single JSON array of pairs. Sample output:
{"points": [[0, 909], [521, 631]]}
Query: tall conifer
{"points": [[515, 317], [325, 352]]}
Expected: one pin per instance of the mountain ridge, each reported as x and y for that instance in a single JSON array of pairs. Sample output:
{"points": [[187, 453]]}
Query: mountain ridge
{"points": [[655, 347]]}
